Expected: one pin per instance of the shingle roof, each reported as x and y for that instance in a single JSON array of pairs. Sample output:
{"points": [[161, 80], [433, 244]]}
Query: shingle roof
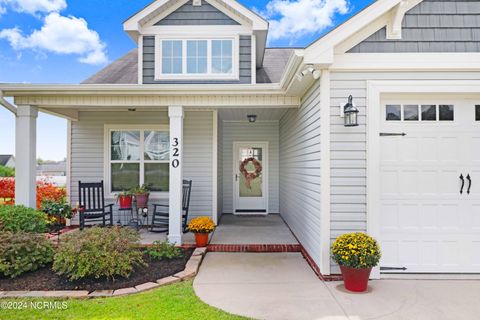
{"points": [[4, 159], [53, 167], [125, 69]]}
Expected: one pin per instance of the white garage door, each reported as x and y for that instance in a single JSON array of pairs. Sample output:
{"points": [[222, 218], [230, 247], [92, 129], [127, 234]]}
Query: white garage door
{"points": [[430, 186]]}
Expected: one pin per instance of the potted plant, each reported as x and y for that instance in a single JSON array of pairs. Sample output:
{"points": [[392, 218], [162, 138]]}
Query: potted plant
{"points": [[141, 196], [58, 213], [125, 198], [201, 227], [356, 253]]}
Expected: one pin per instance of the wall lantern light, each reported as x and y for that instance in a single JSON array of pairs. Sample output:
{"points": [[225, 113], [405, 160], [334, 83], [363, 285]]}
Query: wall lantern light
{"points": [[252, 118], [351, 114]]}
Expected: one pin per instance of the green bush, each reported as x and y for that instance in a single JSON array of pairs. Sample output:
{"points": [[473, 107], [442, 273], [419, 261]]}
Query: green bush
{"points": [[20, 218], [97, 253], [6, 172], [22, 252], [163, 250]]}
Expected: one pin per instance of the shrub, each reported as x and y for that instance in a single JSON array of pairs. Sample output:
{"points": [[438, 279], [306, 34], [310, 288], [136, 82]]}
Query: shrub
{"points": [[356, 250], [97, 253], [7, 172], [201, 225], [58, 209], [163, 250], [23, 252], [45, 191], [20, 218]]}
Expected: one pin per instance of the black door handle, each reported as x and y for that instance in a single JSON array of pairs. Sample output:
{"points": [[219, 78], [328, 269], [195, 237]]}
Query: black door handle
{"points": [[469, 183], [463, 183]]}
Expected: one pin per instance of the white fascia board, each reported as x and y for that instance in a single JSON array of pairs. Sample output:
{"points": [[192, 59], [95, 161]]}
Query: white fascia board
{"points": [[314, 52], [407, 62], [133, 23], [258, 23], [10, 90]]}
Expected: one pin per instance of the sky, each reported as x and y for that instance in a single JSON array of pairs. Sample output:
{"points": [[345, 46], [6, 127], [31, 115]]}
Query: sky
{"points": [[66, 41]]}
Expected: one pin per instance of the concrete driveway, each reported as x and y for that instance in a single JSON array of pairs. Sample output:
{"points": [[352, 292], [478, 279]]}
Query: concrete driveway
{"points": [[282, 286]]}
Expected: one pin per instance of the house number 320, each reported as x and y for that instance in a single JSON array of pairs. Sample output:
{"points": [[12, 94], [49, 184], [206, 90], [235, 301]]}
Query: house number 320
{"points": [[176, 153]]}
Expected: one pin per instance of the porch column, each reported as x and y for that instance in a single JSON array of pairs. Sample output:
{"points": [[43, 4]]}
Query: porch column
{"points": [[26, 156], [176, 174]]}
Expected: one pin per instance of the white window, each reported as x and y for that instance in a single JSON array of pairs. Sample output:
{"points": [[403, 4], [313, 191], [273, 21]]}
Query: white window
{"points": [[137, 156], [197, 59]]}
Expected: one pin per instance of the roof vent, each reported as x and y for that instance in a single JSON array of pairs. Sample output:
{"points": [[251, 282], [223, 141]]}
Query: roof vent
{"points": [[197, 3]]}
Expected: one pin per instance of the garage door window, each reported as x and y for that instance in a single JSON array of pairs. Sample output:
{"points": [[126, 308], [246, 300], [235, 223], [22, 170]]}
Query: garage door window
{"points": [[477, 113], [423, 113], [446, 113]]}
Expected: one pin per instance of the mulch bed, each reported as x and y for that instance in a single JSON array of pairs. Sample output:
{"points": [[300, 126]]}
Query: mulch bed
{"points": [[46, 280]]}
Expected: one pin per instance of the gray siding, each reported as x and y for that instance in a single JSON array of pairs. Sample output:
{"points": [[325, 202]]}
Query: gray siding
{"points": [[432, 26], [245, 63], [240, 131], [300, 171], [206, 14], [88, 151], [348, 147]]}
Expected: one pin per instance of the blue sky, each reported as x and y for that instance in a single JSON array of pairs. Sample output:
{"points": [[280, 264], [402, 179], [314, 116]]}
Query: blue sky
{"points": [[36, 46]]}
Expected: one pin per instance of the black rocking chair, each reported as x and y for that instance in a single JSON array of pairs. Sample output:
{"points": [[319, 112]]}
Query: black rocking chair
{"points": [[92, 204], [160, 221]]}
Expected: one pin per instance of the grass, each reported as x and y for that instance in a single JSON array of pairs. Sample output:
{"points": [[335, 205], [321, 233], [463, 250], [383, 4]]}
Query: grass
{"points": [[176, 301]]}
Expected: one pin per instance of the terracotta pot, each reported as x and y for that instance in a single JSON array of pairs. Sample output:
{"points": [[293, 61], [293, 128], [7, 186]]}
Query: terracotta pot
{"points": [[201, 239], [142, 200], [355, 280], [125, 202]]}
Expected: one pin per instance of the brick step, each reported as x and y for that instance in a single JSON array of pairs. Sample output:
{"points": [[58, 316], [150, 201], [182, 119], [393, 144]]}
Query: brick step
{"points": [[254, 248]]}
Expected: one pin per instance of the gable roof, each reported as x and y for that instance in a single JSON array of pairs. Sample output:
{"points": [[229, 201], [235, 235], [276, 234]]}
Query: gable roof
{"points": [[4, 158], [125, 69]]}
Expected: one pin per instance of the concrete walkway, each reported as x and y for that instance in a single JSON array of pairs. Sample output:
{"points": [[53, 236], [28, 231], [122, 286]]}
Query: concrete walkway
{"points": [[282, 286]]}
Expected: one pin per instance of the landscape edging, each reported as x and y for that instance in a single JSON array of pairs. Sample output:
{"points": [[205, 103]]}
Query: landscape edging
{"points": [[190, 271]]}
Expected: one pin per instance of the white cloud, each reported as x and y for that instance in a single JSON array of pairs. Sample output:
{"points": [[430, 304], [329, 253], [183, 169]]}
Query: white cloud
{"points": [[33, 6], [61, 35], [290, 19]]}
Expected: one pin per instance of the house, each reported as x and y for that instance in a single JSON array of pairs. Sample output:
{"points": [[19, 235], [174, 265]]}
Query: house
{"points": [[7, 160], [50, 169], [262, 130]]}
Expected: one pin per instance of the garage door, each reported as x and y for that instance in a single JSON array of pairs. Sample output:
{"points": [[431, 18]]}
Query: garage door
{"points": [[430, 186]]}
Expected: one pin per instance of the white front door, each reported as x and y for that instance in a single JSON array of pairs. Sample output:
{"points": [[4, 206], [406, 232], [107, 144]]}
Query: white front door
{"points": [[430, 185], [250, 177]]}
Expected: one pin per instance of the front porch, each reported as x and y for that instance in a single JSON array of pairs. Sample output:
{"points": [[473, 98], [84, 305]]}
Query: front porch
{"points": [[268, 230]]}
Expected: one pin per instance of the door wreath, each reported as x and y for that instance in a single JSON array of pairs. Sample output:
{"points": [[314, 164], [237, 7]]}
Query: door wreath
{"points": [[250, 176]]}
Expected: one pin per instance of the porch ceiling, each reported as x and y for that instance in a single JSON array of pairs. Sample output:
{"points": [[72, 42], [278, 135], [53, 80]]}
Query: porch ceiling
{"points": [[270, 114]]}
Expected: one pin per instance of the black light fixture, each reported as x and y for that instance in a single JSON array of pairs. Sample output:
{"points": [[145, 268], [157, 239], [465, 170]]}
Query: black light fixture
{"points": [[132, 109], [351, 114], [252, 118]]}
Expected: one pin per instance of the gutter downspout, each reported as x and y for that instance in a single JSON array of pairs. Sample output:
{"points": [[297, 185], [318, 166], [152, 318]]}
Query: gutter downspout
{"points": [[7, 104]]}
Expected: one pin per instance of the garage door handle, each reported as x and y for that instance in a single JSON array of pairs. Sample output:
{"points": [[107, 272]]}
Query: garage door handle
{"points": [[463, 183], [389, 134], [469, 183]]}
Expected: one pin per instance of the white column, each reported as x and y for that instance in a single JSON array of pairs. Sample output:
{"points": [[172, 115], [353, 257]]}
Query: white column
{"points": [[26, 156], [176, 174]]}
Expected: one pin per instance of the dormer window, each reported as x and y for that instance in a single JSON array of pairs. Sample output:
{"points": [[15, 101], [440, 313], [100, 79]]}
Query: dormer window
{"points": [[197, 59]]}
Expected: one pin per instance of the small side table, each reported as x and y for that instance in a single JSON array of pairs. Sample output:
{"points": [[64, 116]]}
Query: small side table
{"points": [[124, 217]]}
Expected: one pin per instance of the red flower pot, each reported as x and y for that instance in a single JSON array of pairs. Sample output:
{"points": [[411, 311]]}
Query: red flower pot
{"points": [[201, 239], [142, 200], [125, 202], [355, 280]]}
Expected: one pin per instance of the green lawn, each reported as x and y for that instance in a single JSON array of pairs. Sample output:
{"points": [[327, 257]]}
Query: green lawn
{"points": [[176, 301]]}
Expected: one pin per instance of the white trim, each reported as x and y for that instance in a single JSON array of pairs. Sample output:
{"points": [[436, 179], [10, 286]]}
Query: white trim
{"points": [[325, 174], [215, 212], [374, 91], [69, 161], [394, 27], [234, 75], [464, 61], [266, 146], [140, 59], [107, 155]]}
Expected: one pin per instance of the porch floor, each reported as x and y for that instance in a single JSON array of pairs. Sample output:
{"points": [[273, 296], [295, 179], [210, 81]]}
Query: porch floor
{"points": [[246, 230], [147, 237]]}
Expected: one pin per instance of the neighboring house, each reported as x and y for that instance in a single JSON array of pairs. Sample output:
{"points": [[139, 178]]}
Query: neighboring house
{"points": [[50, 169], [7, 160], [177, 107]]}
